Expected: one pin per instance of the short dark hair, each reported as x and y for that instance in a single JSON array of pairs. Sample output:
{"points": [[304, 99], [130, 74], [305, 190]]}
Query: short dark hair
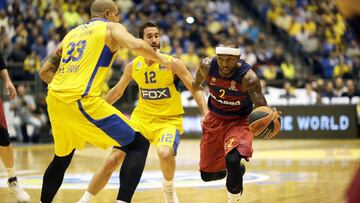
{"points": [[146, 25]]}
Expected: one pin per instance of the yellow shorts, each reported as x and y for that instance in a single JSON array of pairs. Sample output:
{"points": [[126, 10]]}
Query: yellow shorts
{"points": [[89, 119], [159, 130]]}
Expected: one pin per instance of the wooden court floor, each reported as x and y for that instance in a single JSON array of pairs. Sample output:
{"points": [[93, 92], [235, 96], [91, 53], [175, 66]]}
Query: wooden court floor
{"points": [[284, 171]]}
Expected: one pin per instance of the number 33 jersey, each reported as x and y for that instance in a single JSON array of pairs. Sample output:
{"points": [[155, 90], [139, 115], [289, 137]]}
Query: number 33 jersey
{"points": [[84, 63], [158, 93]]}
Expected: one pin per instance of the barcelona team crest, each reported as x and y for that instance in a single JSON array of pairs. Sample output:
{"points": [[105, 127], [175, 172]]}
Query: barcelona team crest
{"points": [[233, 86], [213, 79]]}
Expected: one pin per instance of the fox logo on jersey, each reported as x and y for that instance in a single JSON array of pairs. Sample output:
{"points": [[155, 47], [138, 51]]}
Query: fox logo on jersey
{"points": [[153, 94]]}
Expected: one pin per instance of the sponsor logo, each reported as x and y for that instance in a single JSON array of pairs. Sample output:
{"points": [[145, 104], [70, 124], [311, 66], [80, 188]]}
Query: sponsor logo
{"points": [[155, 94], [230, 103]]}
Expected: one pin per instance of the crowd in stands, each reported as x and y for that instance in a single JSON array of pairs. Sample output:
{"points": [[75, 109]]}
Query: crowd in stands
{"points": [[31, 29]]}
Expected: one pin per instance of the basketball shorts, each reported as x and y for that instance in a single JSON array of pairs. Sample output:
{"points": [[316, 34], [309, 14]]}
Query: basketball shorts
{"points": [[89, 119], [4, 134], [160, 131], [220, 136]]}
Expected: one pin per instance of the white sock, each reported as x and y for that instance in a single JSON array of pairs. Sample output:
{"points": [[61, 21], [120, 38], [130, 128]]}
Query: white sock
{"points": [[86, 197], [234, 197], [119, 201], [10, 172], [168, 183]]}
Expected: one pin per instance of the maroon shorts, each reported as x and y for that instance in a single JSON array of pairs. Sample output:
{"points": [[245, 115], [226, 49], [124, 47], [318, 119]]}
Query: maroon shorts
{"points": [[220, 136]]}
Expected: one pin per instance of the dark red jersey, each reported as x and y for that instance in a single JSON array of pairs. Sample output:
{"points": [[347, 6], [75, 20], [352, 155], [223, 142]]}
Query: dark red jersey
{"points": [[226, 95]]}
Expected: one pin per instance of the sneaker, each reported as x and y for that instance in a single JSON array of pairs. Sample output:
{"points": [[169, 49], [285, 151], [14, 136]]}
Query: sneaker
{"points": [[170, 195], [15, 189]]}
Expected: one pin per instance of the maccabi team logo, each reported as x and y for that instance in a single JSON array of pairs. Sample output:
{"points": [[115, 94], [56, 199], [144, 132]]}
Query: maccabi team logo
{"points": [[149, 180]]}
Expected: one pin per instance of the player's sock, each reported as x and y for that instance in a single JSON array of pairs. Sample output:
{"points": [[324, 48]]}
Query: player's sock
{"points": [[235, 172], [233, 198], [119, 201], [170, 195], [86, 197], [54, 176], [132, 167]]}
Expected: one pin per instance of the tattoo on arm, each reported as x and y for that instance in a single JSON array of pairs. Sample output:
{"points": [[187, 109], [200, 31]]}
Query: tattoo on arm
{"points": [[253, 87], [201, 73]]}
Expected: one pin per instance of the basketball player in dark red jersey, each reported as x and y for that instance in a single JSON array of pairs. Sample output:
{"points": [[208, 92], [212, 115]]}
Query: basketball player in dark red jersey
{"points": [[350, 9], [226, 139], [6, 152]]}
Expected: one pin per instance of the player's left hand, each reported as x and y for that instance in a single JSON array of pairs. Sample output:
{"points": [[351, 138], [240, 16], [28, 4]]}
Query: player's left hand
{"points": [[10, 90]]}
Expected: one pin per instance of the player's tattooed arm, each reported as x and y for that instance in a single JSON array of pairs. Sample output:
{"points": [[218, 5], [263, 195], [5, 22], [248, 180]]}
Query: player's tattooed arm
{"points": [[51, 65], [252, 86], [201, 73]]}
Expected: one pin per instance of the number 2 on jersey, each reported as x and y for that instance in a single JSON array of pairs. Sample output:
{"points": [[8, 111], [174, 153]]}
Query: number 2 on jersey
{"points": [[222, 92], [75, 51], [150, 78]]}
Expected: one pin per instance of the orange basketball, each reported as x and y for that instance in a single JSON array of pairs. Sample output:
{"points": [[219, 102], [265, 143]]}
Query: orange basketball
{"points": [[264, 122]]}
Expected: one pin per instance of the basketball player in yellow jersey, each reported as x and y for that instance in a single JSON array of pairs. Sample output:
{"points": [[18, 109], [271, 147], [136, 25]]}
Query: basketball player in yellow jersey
{"points": [[75, 73], [158, 115]]}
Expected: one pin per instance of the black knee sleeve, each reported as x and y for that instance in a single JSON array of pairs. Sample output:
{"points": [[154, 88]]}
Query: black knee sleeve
{"points": [[235, 172], [140, 143], [4, 137], [132, 167], [212, 176], [54, 176]]}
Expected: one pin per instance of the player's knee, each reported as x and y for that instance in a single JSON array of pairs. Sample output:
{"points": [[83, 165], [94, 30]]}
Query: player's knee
{"points": [[165, 153], [212, 176], [110, 165]]}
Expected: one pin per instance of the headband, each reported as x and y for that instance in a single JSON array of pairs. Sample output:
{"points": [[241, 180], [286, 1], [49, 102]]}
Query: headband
{"points": [[227, 51]]}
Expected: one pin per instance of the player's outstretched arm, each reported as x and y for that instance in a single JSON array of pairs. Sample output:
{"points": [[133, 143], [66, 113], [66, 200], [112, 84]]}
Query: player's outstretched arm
{"points": [[117, 91], [51, 65], [124, 38], [252, 86], [201, 73], [182, 72]]}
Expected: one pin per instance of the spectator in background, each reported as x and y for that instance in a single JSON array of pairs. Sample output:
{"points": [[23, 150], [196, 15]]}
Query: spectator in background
{"points": [[289, 91], [288, 68], [339, 87], [24, 107], [342, 69], [329, 90], [71, 17], [352, 91], [31, 65], [191, 60]]}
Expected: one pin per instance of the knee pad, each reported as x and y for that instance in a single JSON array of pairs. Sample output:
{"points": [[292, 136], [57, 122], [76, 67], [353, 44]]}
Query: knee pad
{"points": [[4, 137], [212, 176], [140, 143]]}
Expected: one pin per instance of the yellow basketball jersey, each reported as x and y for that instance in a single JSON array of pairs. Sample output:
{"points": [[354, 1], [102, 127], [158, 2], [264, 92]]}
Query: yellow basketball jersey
{"points": [[158, 94], [84, 63]]}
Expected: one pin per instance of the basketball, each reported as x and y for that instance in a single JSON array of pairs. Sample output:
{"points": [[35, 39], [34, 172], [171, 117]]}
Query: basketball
{"points": [[264, 122]]}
